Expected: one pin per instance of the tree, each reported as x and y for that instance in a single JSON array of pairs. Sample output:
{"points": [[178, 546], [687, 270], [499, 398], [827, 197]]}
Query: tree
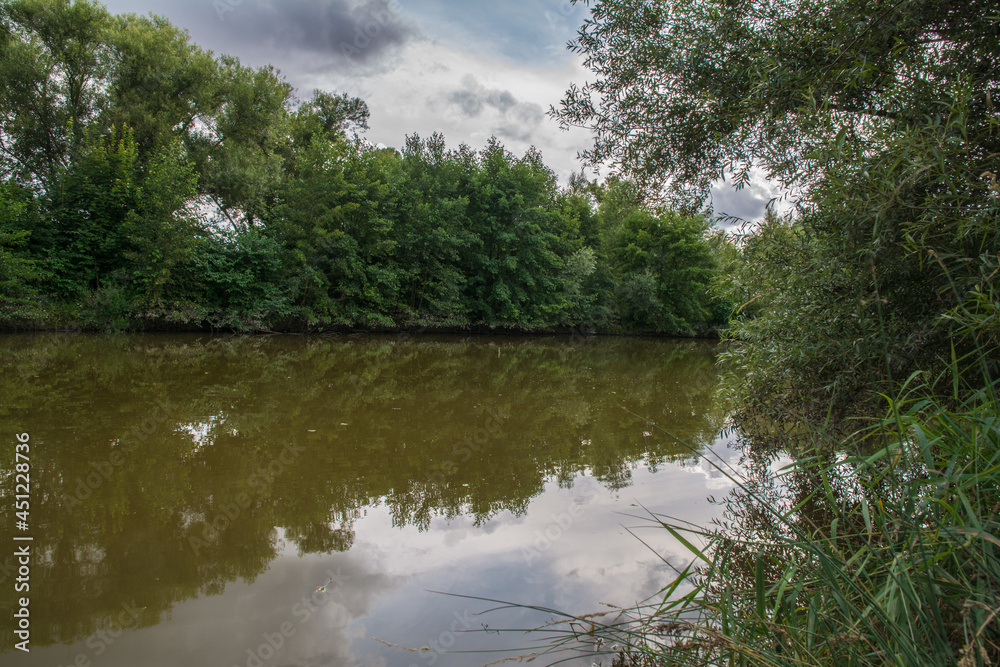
{"points": [[18, 270], [161, 230], [879, 115], [333, 224], [330, 116], [159, 83], [688, 90], [663, 265], [71, 68], [514, 264], [93, 199], [123, 129], [240, 155], [432, 231], [53, 61], [238, 281], [113, 224]]}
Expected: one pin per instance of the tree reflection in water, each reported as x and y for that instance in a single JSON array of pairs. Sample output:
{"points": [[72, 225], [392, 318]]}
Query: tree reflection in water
{"points": [[166, 466]]}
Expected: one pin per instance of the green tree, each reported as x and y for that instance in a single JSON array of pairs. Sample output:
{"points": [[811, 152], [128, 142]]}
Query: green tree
{"points": [[880, 116], [687, 90], [18, 270], [117, 229], [159, 83], [238, 281], [514, 264], [333, 222], [329, 116], [93, 200], [161, 230], [53, 61], [74, 70], [664, 267], [240, 156], [432, 231], [173, 185], [71, 68]]}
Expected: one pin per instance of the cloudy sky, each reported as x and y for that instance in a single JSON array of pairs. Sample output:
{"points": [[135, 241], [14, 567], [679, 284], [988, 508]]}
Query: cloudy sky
{"points": [[470, 69]]}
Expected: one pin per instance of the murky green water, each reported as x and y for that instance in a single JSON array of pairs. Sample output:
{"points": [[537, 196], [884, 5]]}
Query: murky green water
{"points": [[190, 494]]}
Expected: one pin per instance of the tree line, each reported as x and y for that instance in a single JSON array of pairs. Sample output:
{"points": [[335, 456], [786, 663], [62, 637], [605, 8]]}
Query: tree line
{"points": [[148, 183]]}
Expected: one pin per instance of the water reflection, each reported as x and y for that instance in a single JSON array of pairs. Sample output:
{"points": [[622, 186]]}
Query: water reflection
{"points": [[166, 469]]}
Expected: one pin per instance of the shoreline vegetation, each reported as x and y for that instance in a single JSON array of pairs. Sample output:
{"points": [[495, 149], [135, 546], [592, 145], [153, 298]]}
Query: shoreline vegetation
{"points": [[403, 334], [311, 329], [881, 553], [147, 183]]}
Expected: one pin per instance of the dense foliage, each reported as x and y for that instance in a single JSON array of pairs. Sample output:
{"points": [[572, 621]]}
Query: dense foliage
{"points": [[880, 119], [148, 183]]}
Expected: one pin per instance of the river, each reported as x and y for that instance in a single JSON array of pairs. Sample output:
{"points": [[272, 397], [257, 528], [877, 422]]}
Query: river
{"points": [[287, 500]]}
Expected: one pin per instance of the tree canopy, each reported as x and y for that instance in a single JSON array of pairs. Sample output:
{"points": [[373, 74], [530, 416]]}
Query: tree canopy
{"points": [[686, 91], [880, 118]]}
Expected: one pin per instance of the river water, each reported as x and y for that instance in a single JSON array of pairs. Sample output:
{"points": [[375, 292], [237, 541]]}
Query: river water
{"points": [[284, 500]]}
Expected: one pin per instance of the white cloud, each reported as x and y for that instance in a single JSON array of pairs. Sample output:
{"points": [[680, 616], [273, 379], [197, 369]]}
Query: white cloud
{"points": [[748, 204]]}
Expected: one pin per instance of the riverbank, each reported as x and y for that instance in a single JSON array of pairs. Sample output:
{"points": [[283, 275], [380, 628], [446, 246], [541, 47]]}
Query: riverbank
{"points": [[300, 326]]}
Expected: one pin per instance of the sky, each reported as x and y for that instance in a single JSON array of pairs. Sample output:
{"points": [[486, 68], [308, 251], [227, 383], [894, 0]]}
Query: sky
{"points": [[469, 69]]}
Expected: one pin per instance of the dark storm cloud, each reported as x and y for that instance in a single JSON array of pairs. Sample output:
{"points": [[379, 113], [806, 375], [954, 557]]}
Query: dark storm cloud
{"points": [[298, 36], [473, 96], [470, 103], [360, 33], [521, 119]]}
